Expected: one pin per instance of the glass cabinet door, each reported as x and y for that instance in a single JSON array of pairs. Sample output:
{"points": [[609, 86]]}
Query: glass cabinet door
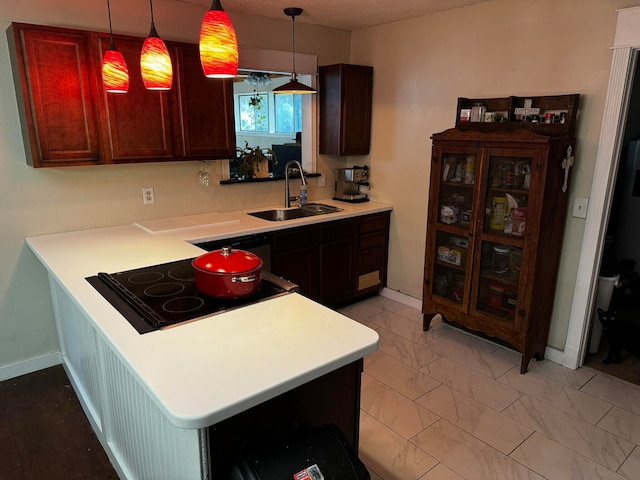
{"points": [[450, 266], [456, 191], [508, 179], [450, 239]]}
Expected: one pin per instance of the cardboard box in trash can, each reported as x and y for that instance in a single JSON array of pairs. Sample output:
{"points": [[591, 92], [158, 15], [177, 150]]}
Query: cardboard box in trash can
{"points": [[320, 453]]}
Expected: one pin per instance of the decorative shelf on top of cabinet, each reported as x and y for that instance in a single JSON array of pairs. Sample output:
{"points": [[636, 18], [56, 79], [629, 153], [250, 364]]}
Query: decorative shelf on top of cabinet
{"points": [[498, 205], [511, 113]]}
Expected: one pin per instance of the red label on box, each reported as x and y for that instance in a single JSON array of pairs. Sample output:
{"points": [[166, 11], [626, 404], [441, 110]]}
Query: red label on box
{"points": [[309, 473]]}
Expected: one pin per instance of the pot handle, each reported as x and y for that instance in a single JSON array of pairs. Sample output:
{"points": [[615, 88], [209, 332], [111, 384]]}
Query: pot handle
{"points": [[247, 279]]}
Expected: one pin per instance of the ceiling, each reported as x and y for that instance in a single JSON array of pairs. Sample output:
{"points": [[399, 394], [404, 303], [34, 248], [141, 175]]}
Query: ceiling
{"points": [[343, 14]]}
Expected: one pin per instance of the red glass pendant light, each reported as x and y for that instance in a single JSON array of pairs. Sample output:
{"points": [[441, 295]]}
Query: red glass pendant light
{"points": [[218, 44], [115, 75], [155, 62]]}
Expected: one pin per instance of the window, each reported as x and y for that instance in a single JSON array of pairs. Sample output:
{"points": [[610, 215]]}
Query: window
{"points": [[253, 113], [288, 113], [266, 112]]}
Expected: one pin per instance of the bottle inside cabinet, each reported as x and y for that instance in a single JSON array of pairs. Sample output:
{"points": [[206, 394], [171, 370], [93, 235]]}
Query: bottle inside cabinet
{"points": [[507, 195]]}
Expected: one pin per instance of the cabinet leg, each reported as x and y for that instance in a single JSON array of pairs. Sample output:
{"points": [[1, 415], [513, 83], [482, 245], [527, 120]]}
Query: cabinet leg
{"points": [[426, 320]]}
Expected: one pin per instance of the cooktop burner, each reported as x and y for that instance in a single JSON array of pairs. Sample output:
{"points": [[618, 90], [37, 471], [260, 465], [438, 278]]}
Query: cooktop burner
{"points": [[156, 297]]}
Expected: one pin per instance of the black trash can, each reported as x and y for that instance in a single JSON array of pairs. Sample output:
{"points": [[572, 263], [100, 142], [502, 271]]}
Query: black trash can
{"points": [[320, 453]]}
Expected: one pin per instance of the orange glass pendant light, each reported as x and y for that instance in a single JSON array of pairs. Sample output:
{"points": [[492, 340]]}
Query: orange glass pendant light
{"points": [[155, 62], [218, 44], [115, 74]]}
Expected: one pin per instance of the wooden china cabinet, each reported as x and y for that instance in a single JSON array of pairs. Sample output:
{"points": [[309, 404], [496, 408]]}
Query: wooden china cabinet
{"points": [[497, 208]]}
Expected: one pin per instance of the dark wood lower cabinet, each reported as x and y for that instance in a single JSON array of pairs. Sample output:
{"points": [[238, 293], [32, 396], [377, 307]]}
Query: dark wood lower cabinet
{"points": [[337, 256], [333, 398], [334, 263], [295, 257]]}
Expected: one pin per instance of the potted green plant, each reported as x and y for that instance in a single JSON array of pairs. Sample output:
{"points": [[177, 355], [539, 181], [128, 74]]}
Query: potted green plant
{"points": [[254, 161]]}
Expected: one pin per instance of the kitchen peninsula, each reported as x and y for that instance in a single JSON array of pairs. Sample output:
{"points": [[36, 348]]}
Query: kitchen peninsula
{"points": [[177, 403]]}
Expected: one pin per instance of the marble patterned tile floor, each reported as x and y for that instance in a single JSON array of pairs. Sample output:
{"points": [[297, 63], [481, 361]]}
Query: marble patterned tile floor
{"points": [[445, 405]]}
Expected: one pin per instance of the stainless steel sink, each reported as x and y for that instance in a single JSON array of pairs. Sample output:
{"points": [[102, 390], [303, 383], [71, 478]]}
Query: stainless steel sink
{"points": [[308, 210], [320, 208]]}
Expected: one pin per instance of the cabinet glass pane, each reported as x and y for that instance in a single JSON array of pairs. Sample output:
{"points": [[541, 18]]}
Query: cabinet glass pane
{"points": [[507, 195], [450, 265], [499, 276], [456, 188]]}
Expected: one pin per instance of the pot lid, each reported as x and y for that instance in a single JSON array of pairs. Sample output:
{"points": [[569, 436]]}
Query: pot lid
{"points": [[227, 260]]}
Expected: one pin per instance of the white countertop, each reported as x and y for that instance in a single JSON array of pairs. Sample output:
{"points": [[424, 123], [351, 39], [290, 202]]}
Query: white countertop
{"points": [[206, 371]]}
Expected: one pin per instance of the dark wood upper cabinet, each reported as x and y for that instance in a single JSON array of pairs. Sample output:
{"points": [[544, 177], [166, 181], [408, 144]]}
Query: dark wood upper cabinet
{"points": [[204, 112], [345, 109], [58, 108], [68, 118], [137, 125]]}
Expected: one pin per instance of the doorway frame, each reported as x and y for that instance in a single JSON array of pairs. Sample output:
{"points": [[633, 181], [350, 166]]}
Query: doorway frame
{"points": [[625, 48]]}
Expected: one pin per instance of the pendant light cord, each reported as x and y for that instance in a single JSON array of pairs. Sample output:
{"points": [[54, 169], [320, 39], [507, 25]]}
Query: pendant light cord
{"points": [[293, 42], [109, 11], [151, 6]]}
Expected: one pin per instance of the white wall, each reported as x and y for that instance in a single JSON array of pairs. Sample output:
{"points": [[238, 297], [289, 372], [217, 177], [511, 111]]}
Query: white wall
{"points": [[494, 49], [41, 201]]}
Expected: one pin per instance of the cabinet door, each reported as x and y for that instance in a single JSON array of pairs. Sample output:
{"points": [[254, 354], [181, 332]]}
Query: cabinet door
{"points": [[137, 125], [337, 261], [295, 258], [506, 236], [451, 219], [204, 113], [345, 109], [59, 120], [373, 241]]}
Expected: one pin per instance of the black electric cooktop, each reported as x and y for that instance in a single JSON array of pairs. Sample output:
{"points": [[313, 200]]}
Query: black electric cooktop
{"points": [[160, 296]]}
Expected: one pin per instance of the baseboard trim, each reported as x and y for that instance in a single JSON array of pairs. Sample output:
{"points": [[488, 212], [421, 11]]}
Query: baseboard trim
{"points": [[401, 298], [30, 365], [554, 355]]}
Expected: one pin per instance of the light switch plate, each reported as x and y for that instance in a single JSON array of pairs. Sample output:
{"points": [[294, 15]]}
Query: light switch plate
{"points": [[580, 207], [322, 180]]}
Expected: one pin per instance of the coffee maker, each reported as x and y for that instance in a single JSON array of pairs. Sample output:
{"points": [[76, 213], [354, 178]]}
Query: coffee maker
{"points": [[348, 182]]}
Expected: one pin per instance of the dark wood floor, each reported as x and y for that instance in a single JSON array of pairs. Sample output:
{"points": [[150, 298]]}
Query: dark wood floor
{"points": [[44, 434]]}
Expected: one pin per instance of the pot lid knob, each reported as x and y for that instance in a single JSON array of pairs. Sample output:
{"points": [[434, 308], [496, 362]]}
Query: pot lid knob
{"points": [[226, 251]]}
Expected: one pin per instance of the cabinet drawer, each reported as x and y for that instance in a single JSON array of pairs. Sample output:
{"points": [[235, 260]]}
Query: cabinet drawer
{"points": [[372, 240], [340, 230], [370, 260], [374, 223], [296, 238]]}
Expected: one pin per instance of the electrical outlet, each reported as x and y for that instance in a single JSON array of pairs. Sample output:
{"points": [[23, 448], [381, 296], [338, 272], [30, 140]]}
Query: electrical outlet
{"points": [[580, 207], [322, 180], [147, 196]]}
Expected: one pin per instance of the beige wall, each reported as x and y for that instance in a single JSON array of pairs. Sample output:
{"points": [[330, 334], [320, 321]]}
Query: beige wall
{"points": [[40, 201], [499, 48], [494, 49]]}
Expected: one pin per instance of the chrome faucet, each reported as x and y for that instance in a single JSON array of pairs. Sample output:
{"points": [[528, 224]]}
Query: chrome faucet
{"points": [[287, 197]]}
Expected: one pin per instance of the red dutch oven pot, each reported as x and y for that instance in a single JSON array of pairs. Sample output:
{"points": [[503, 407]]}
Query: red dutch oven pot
{"points": [[228, 273]]}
